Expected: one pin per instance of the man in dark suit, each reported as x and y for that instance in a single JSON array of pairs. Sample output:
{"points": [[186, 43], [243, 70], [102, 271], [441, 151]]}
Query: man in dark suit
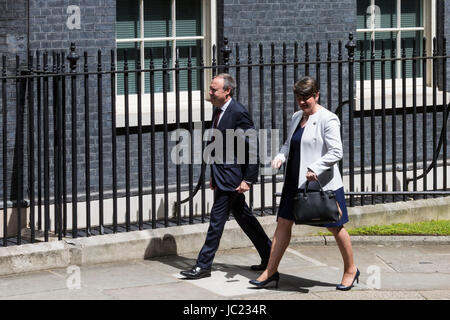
{"points": [[230, 180]]}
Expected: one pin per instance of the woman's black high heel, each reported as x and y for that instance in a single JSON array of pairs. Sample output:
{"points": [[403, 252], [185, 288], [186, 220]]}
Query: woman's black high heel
{"points": [[344, 288], [275, 277]]}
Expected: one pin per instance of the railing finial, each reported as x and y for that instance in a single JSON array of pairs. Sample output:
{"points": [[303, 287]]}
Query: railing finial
{"points": [[350, 46], [226, 51], [73, 57]]}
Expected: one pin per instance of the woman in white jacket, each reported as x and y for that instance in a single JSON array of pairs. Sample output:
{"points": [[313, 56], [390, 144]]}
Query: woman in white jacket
{"points": [[312, 151]]}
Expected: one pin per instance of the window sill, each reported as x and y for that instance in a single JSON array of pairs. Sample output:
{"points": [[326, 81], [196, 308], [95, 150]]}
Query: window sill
{"points": [[367, 103], [159, 109]]}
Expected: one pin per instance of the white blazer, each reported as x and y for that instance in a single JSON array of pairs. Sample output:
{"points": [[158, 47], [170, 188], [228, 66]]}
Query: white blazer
{"points": [[320, 149]]}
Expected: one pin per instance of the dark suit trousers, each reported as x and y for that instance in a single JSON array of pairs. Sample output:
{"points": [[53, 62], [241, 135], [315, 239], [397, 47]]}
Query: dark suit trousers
{"points": [[224, 202]]}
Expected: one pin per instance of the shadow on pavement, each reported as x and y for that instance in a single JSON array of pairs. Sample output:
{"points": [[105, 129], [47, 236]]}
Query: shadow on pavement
{"points": [[289, 283], [295, 284]]}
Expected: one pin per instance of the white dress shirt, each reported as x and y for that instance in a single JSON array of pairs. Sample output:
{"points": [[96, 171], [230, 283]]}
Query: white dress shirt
{"points": [[223, 108]]}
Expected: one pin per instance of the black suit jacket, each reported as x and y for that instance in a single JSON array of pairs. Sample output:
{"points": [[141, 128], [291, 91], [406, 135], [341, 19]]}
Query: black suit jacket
{"points": [[239, 162]]}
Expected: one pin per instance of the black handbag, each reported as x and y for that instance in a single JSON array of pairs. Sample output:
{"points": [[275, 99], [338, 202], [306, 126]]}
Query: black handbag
{"points": [[316, 207]]}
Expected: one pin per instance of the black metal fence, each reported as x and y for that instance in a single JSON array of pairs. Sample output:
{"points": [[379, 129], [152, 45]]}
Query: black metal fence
{"points": [[69, 169]]}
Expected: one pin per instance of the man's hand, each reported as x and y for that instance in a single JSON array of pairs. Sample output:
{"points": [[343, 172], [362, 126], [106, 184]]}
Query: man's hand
{"points": [[276, 163], [243, 187]]}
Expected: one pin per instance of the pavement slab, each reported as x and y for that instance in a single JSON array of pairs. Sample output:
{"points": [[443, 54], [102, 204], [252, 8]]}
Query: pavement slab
{"points": [[30, 283], [371, 295], [436, 294], [120, 275], [84, 293], [307, 272], [180, 290]]}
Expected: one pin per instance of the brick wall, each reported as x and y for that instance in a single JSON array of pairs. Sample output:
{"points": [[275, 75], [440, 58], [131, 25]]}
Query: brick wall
{"points": [[289, 21], [54, 25], [13, 27], [13, 42]]}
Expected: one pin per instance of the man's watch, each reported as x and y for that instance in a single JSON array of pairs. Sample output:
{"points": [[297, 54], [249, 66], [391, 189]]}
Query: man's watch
{"points": [[249, 183]]}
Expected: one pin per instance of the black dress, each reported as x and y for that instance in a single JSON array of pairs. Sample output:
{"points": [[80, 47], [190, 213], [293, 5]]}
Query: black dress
{"points": [[290, 186]]}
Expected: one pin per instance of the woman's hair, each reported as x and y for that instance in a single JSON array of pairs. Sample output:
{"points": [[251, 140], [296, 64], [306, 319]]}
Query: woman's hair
{"points": [[305, 87]]}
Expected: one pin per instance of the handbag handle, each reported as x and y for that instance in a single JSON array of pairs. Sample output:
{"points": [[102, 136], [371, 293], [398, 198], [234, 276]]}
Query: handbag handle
{"points": [[322, 192]]}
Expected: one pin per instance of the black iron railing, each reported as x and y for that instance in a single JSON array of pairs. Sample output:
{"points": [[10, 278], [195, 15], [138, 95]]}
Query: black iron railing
{"points": [[80, 158]]}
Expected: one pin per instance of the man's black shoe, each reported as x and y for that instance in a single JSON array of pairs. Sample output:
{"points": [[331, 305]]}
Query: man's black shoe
{"points": [[196, 273], [259, 267]]}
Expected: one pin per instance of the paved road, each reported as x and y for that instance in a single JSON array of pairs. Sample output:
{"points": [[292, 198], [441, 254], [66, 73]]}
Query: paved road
{"points": [[308, 272]]}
